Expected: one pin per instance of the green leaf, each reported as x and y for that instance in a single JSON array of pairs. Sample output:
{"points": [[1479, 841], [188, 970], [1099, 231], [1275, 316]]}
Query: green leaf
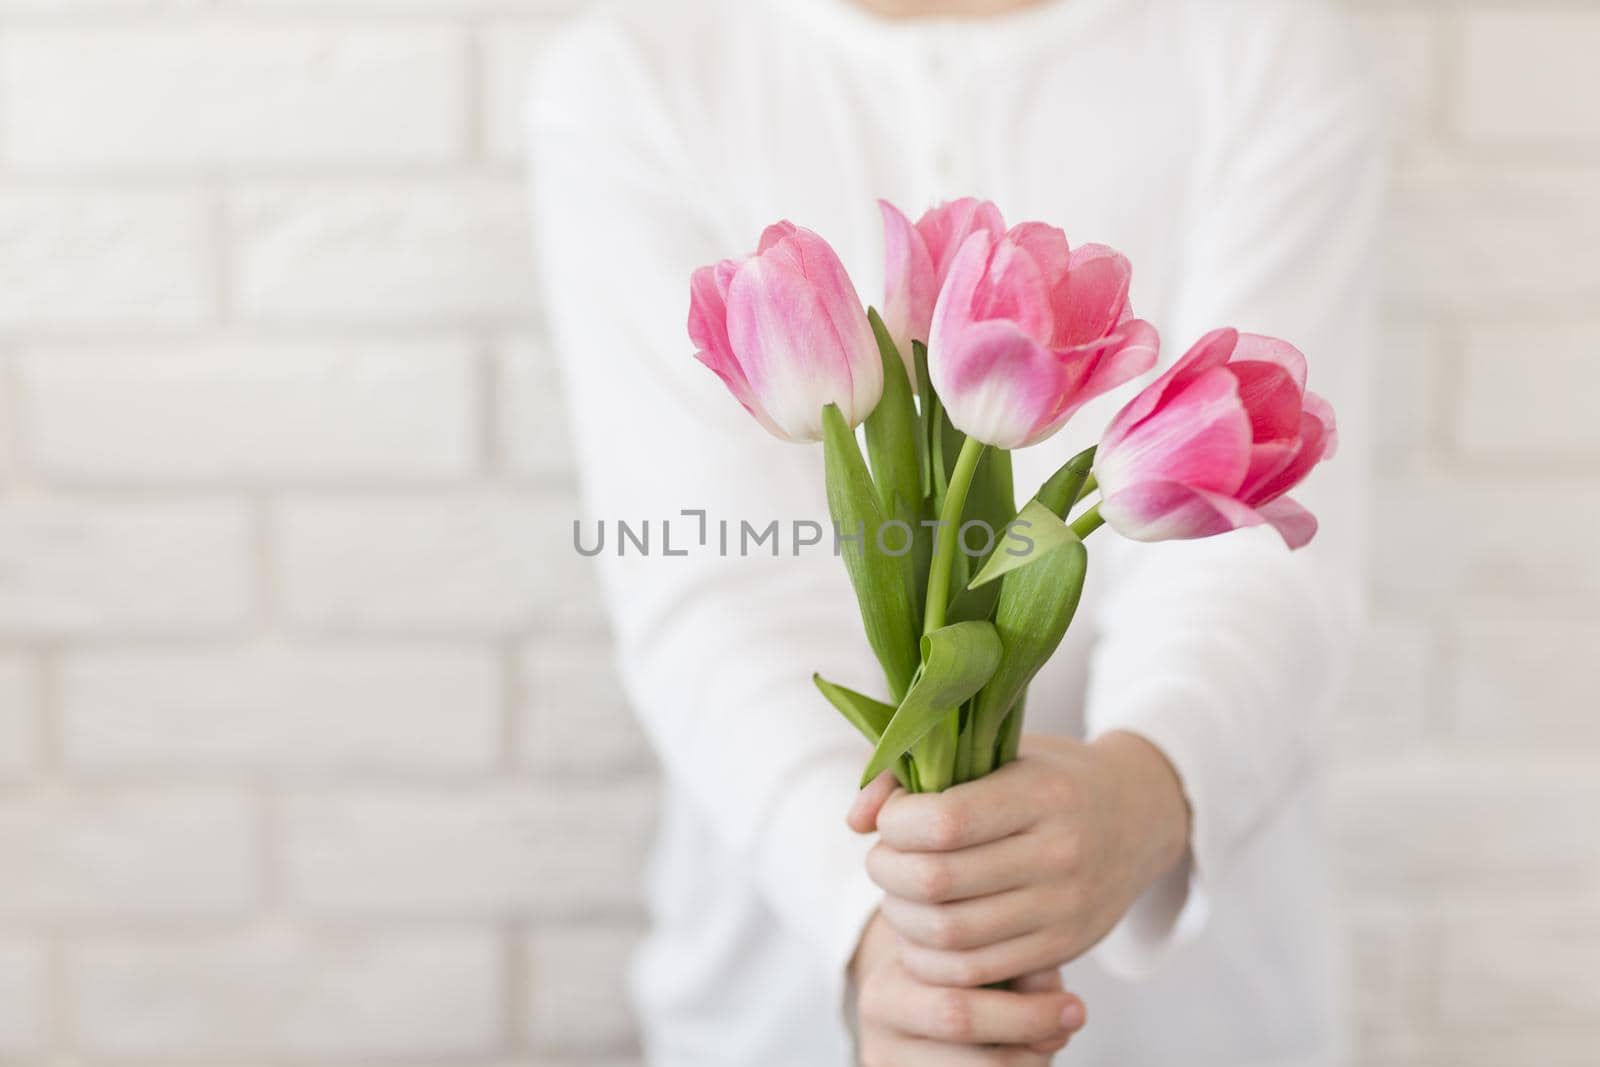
{"points": [[865, 714], [1065, 486], [1035, 609], [892, 428], [957, 661], [882, 582], [1037, 531]]}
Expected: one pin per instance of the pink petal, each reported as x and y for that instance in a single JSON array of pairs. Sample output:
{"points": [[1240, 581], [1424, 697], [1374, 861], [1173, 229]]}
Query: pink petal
{"points": [[776, 233], [1268, 459], [1129, 351], [1313, 448], [946, 228], [788, 345], [1172, 511], [1255, 347], [998, 384], [1294, 524], [910, 287], [1271, 397], [1209, 352], [1092, 296], [1014, 289], [952, 312], [1096, 369], [1200, 437], [1047, 245], [1322, 411]]}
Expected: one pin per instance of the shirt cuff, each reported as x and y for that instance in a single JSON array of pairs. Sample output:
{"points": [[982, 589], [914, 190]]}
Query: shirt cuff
{"points": [[1176, 909], [813, 867]]}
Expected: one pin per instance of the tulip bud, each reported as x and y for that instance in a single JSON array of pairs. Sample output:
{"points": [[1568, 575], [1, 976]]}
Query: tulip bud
{"points": [[786, 332], [1215, 443]]}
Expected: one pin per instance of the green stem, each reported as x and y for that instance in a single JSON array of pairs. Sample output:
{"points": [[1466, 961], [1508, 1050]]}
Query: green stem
{"points": [[948, 534], [937, 754], [1088, 522]]}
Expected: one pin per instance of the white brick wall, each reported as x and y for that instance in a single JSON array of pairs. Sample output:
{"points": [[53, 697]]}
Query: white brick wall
{"points": [[292, 766]]}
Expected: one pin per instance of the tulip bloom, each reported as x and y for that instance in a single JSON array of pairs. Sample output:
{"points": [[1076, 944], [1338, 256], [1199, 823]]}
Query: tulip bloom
{"points": [[786, 332], [1027, 330], [1215, 443], [918, 258]]}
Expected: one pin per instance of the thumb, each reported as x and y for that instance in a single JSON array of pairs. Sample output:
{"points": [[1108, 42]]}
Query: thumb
{"points": [[863, 816]]}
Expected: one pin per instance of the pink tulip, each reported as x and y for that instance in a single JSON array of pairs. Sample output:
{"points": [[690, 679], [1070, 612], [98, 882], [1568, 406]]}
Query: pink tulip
{"points": [[1215, 443], [1028, 330], [786, 332], [918, 259]]}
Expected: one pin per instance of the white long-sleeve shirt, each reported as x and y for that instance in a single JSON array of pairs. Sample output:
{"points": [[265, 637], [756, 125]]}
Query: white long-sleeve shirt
{"points": [[1229, 148]]}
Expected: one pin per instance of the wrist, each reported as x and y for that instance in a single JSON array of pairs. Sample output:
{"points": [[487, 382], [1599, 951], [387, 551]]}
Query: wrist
{"points": [[1153, 794]]}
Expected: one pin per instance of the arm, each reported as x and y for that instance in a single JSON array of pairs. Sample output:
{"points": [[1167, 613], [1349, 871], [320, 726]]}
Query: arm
{"points": [[715, 652], [1216, 660], [1250, 640]]}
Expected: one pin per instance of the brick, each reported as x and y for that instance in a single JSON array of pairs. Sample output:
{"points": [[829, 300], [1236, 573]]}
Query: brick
{"points": [[214, 95], [482, 852], [70, 567], [137, 853], [1386, 950], [510, 50], [296, 710], [1465, 828], [1528, 391], [1529, 76], [483, 562], [1387, 701], [1475, 238], [24, 1001], [578, 988], [1405, 45], [1526, 681], [19, 717], [93, 259], [1469, 539], [1510, 970], [533, 429], [316, 412], [391, 252], [575, 717], [283, 990]]}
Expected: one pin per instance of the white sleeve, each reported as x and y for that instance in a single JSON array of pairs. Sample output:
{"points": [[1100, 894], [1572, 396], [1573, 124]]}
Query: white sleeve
{"points": [[716, 651], [1227, 653]]}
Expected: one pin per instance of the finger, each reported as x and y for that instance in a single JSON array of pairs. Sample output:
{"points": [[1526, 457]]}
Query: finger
{"points": [[942, 877], [920, 1052], [967, 924], [863, 816], [993, 807], [1045, 981], [1048, 981], [987, 965], [967, 1016]]}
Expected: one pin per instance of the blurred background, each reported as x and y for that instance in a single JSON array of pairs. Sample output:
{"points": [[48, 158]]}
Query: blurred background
{"points": [[307, 749]]}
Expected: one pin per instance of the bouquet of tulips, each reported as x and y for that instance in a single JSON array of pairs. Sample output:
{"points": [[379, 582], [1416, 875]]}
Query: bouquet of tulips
{"points": [[990, 339]]}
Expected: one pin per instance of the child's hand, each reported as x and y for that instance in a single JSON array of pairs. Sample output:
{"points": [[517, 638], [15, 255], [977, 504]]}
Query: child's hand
{"points": [[1028, 868], [904, 1022]]}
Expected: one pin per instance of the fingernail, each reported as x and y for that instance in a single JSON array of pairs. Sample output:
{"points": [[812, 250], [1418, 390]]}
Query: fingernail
{"points": [[1072, 1016]]}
